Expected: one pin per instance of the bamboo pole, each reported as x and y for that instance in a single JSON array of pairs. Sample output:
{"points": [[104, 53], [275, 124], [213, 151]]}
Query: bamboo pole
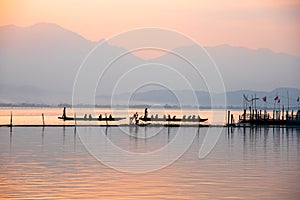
{"points": [[43, 118], [228, 117], [11, 120]]}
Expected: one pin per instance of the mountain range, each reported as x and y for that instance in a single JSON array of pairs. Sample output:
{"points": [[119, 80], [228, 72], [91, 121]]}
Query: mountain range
{"points": [[39, 64]]}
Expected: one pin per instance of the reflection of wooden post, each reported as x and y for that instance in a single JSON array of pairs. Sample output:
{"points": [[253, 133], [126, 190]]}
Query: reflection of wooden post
{"points": [[43, 119]]}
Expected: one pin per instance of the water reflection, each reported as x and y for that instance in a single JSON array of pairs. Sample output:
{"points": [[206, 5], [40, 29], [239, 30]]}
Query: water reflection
{"points": [[261, 159], [252, 137], [267, 137]]}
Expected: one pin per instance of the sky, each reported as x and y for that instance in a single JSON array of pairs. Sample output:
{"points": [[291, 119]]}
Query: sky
{"points": [[272, 24]]}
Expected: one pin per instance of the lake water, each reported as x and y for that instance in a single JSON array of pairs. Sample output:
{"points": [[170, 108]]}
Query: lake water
{"points": [[53, 162]]}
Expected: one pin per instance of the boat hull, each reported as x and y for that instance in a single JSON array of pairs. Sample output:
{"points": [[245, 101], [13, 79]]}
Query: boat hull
{"points": [[172, 120], [90, 119]]}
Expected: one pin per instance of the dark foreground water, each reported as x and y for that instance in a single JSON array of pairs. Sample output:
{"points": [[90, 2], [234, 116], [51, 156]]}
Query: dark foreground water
{"points": [[261, 163]]}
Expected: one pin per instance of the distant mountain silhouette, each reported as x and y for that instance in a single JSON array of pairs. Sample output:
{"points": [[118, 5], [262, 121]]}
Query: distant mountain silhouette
{"points": [[234, 98], [38, 64]]}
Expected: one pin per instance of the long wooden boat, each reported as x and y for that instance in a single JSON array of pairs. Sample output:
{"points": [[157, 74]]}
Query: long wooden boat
{"points": [[91, 119], [173, 119]]}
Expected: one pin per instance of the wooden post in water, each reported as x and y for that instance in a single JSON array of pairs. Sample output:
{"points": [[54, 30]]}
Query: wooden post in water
{"points": [[250, 112], [228, 117], [259, 114], [11, 120], [43, 119], [75, 123]]}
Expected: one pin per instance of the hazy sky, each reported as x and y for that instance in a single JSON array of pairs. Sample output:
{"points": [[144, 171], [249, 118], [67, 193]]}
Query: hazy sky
{"points": [[273, 24]]}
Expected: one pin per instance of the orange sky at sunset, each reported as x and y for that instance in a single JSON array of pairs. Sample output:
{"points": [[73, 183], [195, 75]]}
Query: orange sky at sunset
{"points": [[273, 24]]}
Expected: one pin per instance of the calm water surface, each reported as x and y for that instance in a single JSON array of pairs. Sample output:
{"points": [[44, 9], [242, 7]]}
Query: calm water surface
{"points": [[261, 163]]}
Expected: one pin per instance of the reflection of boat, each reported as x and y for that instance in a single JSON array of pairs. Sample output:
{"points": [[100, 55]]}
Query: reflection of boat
{"points": [[168, 125], [91, 119]]}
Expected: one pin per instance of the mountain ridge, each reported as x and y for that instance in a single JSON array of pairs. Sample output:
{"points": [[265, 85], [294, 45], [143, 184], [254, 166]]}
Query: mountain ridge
{"points": [[46, 57]]}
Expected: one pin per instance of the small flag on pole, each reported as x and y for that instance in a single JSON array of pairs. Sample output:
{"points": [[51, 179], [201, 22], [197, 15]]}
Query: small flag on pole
{"points": [[264, 98], [276, 98]]}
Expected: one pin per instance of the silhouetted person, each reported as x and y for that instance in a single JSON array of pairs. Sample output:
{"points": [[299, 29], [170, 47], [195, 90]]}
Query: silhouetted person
{"points": [[90, 116], [146, 113], [136, 118], [100, 116], [110, 117]]}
